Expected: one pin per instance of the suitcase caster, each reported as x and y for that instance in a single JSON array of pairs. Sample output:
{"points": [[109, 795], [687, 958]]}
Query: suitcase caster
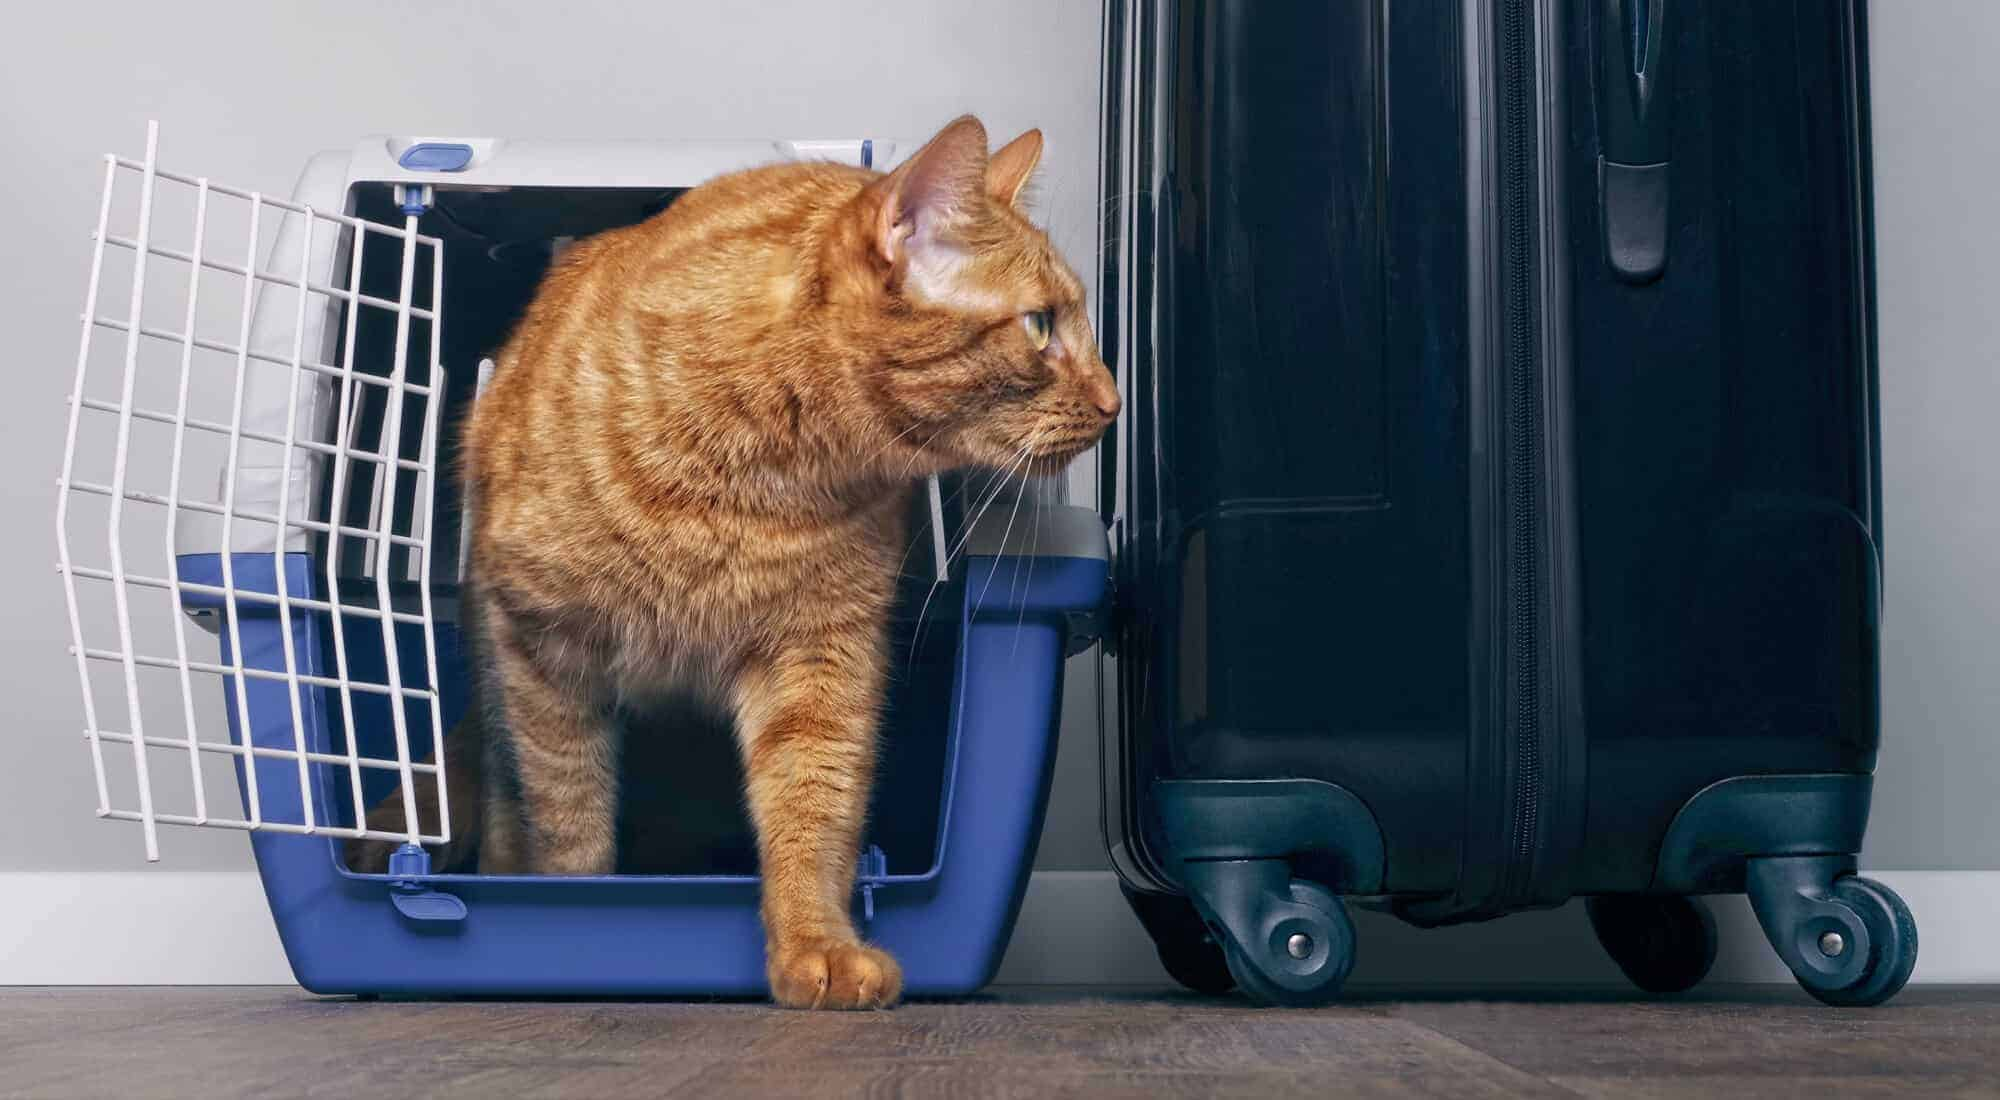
{"points": [[1188, 949], [1663, 943], [1850, 941], [1286, 941]]}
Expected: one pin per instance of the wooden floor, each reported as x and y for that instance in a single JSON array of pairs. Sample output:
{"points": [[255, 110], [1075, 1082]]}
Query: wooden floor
{"points": [[263, 1042]]}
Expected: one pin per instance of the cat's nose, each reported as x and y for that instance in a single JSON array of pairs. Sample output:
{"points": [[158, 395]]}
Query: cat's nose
{"points": [[1104, 394]]}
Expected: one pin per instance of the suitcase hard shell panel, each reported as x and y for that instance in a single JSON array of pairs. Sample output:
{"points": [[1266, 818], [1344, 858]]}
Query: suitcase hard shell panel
{"points": [[1309, 451], [1723, 422]]}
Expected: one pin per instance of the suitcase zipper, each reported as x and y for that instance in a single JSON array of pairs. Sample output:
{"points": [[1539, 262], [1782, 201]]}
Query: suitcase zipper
{"points": [[1523, 445]]}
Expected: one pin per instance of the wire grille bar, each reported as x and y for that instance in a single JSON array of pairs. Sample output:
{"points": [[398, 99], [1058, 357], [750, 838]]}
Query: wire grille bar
{"points": [[120, 465], [316, 459], [290, 655], [179, 419], [266, 276], [278, 204], [268, 518], [254, 673], [252, 794], [340, 456], [240, 350], [276, 827], [429, 465], [140, 580], [258, 751], [62, 498], [393, 429]]}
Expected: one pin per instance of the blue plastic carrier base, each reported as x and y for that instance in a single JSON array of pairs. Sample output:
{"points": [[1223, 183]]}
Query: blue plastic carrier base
{"points": [[942, 898]]}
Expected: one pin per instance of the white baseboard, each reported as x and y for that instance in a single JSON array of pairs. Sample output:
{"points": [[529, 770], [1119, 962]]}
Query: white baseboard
{"points": [[137, 928], [212, 928]]}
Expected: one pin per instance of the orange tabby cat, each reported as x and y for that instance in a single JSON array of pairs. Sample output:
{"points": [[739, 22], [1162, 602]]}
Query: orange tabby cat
{"points": [[690, 472]]}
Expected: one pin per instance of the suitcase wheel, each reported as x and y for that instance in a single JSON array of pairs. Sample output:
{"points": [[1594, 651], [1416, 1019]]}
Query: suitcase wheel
{"points": [[1304, 957], [1188, 948], [1663, 943], [1850, 941], [1197, 963], [1891, 945]]}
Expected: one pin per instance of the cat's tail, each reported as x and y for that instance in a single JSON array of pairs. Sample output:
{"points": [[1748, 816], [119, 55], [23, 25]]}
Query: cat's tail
{"points": [[465, 780]]}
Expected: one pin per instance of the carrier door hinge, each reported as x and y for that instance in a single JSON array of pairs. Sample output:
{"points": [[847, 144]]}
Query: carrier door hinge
{"points": [[873, 869], [415, 199], [412, 896]]}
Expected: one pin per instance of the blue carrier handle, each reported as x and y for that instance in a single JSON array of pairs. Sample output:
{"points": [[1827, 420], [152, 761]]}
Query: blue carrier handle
{"points": [[436, 156]]}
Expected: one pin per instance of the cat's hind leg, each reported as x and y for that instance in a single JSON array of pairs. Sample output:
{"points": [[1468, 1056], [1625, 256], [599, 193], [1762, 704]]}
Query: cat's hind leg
{"points": [[505, 849], [564, 751], [806, 721], [464, 756]]}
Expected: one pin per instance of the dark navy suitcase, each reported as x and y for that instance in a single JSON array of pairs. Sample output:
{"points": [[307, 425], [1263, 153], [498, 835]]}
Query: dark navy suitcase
{"points": [[1496, 507]]}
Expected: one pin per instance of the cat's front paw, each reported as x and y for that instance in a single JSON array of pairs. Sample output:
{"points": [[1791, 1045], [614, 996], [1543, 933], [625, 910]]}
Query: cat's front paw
{"points": [[835, 975]]}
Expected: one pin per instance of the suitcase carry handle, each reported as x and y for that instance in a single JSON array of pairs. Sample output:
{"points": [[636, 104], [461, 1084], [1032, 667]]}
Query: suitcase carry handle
{"points": [[1635, 136]]}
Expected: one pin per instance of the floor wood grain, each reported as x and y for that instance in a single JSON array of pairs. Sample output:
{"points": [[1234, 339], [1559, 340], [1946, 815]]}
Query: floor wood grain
{"points": [[1762, 1041]]}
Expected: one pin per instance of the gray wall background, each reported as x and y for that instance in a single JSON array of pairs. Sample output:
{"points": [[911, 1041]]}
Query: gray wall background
{"points": [[1936, 226], [247, 91]]}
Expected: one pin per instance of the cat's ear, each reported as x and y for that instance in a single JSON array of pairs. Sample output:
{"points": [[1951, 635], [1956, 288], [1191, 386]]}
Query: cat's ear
{"points": [[935, 187], [1010, 168]]}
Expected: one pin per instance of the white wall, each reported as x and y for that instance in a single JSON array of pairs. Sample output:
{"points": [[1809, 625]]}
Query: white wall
{"points": [[1937, 154], [246, 91]]}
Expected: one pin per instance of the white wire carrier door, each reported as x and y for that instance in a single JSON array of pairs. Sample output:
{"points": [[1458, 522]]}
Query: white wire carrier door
{"points": [[252, 445]]}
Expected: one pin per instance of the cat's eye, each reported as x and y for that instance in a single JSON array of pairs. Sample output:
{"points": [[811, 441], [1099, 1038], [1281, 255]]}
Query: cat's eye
{"points": [[1039, 325]]}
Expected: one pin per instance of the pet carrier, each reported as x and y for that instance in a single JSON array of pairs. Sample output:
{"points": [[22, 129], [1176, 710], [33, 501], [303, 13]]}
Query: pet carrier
{"points": [[258, 441]]}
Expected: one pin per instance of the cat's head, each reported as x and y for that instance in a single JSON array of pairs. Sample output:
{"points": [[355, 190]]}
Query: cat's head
{"points": [[982, 349]]}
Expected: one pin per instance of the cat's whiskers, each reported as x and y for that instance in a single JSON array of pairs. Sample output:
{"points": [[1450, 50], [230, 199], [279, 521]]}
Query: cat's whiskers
{"points": [[996, 485], [982, 501], [964, 483], [911, 465], [883, 449], [1026, 450], [1034, 548]]}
